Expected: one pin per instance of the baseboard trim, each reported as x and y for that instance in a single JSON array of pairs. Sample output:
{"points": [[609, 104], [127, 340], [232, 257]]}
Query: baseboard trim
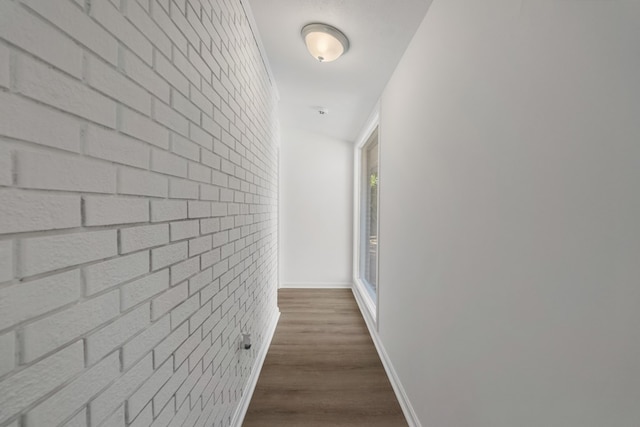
{"points": [[315, 285], [243, 406], [401, 395]]}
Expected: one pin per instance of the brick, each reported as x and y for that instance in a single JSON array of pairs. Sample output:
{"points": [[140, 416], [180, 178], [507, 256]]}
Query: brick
{"points": [[182, 189], [113, 335], [7, 352], [167, 391], [165, 416], [105, 275], [212, 127], [200, 280], [142, 183], [199, 209], [41, 254], [53, 331], [106, 210], [143, 419], [75, 395], [109, 145], [183, 352], [209, 192], [34, 35], [79, 26], [60, 172], [109, 400], [144, 76], [168, 210], [143, 237], [144, 342], [116, 419], [181, 416], [106, 14], [198, 172], [199, 64], [6, 164], [170, 164], [218, 178], [183, 392], [29, 211], [169, 345], [228, 168], [168, 117], [163, 20], [218, 209], [135, 124], [199, 245], [183, 311], [183, 230], [5, 69], [40, 82], [141, 19], [146, 392], [164, 302], [206, 107], [196, 320], [23, 119], [171, 74], [167, 255], [184, 270], [185, 148], [27, 386], [209, 258], [211, 323], [6, 260], [142, 289], [79, 420], [26, 300], [185, 107], [183, 64], [111, 82], [209, 225], [206, 376]]}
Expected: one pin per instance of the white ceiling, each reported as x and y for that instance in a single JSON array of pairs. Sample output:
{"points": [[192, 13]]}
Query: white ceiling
{"points": [[378, 31]]}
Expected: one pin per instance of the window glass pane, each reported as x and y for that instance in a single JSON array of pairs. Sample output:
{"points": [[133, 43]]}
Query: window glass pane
{"points": [[369, 251]]}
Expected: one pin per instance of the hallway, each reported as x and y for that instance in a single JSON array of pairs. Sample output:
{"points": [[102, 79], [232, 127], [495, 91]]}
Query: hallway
{"points": [[322, 367]]}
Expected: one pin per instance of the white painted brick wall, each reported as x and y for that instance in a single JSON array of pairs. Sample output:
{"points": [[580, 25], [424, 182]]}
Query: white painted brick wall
{"points": [[138, 211], [7, 352], [26, 120], [140, 290], [31, 211], [43, 170], [136, 238], [43, 254], [27, 386], [47, 334]]}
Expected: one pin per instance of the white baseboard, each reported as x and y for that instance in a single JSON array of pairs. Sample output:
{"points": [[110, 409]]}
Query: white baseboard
{"points": [[403, 399], [315, 285], [243, 406]]}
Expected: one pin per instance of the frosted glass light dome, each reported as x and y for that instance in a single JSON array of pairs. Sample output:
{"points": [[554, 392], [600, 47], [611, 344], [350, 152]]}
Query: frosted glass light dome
{"points": [[324, 42]]}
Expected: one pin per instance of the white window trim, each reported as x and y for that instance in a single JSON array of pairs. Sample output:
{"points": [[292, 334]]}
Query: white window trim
{"points": [[359, 285]]}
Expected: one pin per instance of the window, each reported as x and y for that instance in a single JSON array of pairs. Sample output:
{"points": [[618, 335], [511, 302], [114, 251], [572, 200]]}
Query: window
{"points": [[369, 215]]}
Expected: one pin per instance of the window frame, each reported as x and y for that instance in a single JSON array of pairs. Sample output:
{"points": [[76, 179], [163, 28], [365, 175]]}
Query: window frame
{"points": [[372, 126]]}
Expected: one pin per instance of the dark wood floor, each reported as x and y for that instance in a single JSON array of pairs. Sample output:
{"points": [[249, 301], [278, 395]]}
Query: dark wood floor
{"points": [[322, 368]]}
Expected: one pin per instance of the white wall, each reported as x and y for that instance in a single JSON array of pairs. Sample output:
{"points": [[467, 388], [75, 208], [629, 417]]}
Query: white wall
{"points": [[316, 208], [510, 231], [138, 211]]}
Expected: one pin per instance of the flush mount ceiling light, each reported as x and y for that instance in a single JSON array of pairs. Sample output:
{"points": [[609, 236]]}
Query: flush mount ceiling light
{"points": [[325, 43]]}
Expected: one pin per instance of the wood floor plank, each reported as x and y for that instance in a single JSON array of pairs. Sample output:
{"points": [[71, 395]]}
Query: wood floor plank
{"points": [[322, 368]]}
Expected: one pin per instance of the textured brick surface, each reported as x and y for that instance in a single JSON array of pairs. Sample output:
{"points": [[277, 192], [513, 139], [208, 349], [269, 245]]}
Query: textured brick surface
{"points": [[138, 211]]}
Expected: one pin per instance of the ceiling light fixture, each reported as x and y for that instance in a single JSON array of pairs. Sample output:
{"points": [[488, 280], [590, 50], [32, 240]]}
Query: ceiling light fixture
{"points": [[325, 43]]}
